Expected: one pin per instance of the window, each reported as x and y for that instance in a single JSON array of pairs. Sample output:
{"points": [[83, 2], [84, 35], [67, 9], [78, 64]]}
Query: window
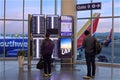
{"points": [[48, 7], [1, 9], [1, 38], [106, 7], [32, 7], [14, 9], [116, 40], [117, 7], [104, 29], [58, 7]]}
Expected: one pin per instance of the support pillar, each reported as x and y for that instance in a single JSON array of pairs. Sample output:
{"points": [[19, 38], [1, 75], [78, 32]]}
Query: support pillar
{"points": [[68, 7]]}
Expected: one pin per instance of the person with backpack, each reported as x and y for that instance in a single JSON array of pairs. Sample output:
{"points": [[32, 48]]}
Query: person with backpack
{"points": [[47, 47], [89, 43]]}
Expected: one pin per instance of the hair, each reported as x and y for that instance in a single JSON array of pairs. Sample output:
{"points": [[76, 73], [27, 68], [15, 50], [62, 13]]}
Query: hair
{"points": [[47, 35], [86, 32]]}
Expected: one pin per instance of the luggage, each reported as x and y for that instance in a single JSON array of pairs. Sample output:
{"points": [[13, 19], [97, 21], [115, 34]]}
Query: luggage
{"points": [[98, 47], [40, 64]]}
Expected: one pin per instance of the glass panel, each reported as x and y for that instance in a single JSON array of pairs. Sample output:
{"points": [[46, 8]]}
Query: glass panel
{"points": [[1, 39], [106, 7], [83, 1], [1, 9], [26, 28], [104, 35], [26, 37], [117, 40], [14, 9], [13, 38], [48, 6], [1, 48], [80, 51], [117, 7], [84, 13], [58, 7], [32, 7]]}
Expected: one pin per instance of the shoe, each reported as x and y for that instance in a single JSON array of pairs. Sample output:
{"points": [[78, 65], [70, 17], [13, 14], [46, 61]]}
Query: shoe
{"points": [[86, 77], [45, 75], [49, 74]]}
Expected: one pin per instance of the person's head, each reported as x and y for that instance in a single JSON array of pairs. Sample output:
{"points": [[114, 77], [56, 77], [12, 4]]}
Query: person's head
{"points": [[86, 32], [47, 35]]}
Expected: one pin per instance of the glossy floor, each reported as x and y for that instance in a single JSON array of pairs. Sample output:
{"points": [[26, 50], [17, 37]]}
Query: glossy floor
{"points": [[9, 70]]}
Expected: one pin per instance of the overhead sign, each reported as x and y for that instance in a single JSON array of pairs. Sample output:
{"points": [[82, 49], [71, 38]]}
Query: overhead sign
{"points": [[89, 6]]}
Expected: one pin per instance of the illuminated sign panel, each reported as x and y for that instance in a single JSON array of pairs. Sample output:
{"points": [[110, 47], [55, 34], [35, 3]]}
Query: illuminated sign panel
{"points": [[52, 24], [37, 47], [66, 25], [65, 47], [88, 6], [38, 24]]}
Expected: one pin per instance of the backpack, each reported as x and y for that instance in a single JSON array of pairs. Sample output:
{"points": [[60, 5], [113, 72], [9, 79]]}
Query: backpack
{"points": [[98, 47], [48, 46]]}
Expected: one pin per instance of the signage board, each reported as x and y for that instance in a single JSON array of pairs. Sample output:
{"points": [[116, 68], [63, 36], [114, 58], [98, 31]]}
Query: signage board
{"points": [[52, 24], [38, 24], [66, 47], [88, 6], [66, 26]]}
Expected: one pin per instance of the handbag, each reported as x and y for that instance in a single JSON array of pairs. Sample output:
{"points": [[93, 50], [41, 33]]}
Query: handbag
{"points": [[40, 64]]}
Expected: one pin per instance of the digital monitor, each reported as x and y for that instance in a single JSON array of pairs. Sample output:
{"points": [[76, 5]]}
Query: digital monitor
{"points": [[52, 31], [65, 47], [38, 24], [52, 24], [37, 47], [66, 26]]}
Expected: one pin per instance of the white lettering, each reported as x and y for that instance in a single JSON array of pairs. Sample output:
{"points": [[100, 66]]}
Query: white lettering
{"points": [[13, 44], [65, 51]]}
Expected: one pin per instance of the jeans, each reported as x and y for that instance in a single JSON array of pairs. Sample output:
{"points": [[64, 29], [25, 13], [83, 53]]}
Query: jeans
{"points": [[91, 67], [47, 64]]}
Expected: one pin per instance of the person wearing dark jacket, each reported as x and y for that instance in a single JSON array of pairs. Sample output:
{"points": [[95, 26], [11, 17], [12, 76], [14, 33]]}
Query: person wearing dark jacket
{"points": [[46, 52], [89, 45]]}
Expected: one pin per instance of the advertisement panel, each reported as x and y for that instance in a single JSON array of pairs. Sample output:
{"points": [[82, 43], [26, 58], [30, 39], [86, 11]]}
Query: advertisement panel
{"points": [[66, 47], [12, 46], [66, 26]]}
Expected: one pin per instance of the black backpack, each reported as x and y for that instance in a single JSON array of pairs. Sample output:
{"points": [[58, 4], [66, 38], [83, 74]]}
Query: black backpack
{"points": [[98, 47]]}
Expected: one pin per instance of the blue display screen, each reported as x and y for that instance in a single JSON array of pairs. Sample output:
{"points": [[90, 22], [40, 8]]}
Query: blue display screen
{"points": [[66, 47]]}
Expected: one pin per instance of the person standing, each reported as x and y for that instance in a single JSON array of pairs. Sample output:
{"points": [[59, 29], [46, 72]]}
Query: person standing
{"points": [[46, 52], [89, 45]]}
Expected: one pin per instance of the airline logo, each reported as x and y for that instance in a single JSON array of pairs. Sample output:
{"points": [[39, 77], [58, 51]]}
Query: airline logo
{"points": [[13, 43], [87, 26]]}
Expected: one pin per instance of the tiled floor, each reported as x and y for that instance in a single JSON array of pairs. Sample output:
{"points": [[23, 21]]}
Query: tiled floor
{"points": [[9, 71]]}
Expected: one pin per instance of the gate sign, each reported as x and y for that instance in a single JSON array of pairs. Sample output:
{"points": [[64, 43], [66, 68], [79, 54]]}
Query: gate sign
{"points": [[88, 6]]}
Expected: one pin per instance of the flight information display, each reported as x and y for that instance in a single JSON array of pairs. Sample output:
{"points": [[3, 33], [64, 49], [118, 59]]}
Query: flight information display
{"points": [[66, 47], [52, 24], [38, 24], [66, 25], [55, 50], [37, 47]]}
